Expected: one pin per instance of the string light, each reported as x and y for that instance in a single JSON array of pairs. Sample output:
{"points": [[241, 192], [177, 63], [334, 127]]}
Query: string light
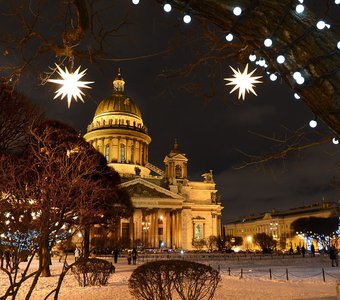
{"points": [[321, 25], [167, 7], [313, 123], [338, 44], [273, 77], [297, 96], [337, 1], [252, 57], [237, 11], [135, 2], [299, 8], [229, 37], [268, 42], [186, 18], [280, 59], [335, 141]]}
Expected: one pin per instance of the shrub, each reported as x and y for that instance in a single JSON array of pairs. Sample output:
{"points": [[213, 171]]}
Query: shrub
{"points": [[92, 271], [158, 280]]}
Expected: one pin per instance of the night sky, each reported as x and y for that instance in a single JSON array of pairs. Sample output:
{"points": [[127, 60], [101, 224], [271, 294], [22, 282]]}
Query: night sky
{"points": [[210, 130]]}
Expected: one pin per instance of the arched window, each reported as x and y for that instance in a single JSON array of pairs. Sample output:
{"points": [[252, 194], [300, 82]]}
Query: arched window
{"points": [[122, 153], [107, 152]]}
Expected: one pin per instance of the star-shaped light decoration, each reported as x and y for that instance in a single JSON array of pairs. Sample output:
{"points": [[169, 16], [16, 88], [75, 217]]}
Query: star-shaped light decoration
{"points": [[244, 82], [70, 84]]}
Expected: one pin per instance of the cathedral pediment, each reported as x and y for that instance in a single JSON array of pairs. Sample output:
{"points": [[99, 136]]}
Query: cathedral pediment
{"points": [[141, 188]]}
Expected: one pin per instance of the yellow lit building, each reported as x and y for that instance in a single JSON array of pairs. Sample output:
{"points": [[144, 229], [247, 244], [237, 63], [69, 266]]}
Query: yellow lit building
{"points": [[278, 225], [170, 210]]}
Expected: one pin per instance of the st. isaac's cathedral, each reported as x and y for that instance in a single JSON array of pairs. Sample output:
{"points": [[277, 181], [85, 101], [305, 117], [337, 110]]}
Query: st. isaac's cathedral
{"points": [[170, 211]]}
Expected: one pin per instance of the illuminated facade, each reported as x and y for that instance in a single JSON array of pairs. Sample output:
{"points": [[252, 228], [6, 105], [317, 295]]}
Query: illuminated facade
{"points": [[170, 210], [278, 225]]}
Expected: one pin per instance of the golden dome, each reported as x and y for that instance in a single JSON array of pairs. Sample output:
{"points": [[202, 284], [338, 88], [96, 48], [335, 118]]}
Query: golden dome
{"points": [[117, 103]]}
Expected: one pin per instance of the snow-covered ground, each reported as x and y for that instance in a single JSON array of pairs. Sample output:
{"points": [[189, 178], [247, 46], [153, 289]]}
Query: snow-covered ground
{"points": [[304, 274]]}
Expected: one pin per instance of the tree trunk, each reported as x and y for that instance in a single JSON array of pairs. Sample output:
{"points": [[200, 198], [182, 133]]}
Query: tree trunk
{"points": [[311, 51], [86, 250], [44, 256]]}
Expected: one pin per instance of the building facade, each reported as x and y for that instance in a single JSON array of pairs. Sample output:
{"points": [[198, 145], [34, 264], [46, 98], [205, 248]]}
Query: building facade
{"points": [[278, 225], [169, 209]]}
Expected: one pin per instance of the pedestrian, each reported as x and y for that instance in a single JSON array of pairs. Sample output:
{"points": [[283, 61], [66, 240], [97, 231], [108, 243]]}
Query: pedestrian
{"points": [[312, 250], [134, 256], [291, 251], [76, 254], [303, 250], [115, 255], [333, 255], [129, 257], [298, 250]]}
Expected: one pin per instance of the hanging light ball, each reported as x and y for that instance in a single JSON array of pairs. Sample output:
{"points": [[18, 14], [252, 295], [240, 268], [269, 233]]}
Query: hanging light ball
{"points": [[338, 45], [237, 11], [252, 57], [135, 2], [321, 25], [229, 37], [299, 8], [167, 7], [337, 1], [300, 80], [313, 123], [268, 42], [297, 96], [301, 1], [186, 19], [273, 77], [262, 62], [280, 59], [297, 75], [335, 141]]}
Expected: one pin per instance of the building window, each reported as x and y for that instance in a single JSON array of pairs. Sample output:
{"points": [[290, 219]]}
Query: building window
{"points": [[132, 154], [107, 152], [178, 171], [122, 153], [198, 232]]}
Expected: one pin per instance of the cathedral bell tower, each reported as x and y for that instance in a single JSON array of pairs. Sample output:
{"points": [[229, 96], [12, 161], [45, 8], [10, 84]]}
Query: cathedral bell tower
{"points": [[176, 165]]}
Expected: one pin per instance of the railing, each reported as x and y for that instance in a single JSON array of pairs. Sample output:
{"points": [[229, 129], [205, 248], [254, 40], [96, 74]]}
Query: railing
{"points": [[93, 127]]}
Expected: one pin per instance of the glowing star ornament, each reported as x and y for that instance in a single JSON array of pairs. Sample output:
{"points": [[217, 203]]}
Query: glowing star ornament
{"points": [[70, 84], [244, 82]]}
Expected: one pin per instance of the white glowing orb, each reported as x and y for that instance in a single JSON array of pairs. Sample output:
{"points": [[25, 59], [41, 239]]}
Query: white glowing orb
{"points": [[262, 62], [321, 25], [338, 45], [301, 1], [280, 59], [337, 1], [135, 2], [187, 19], [252, 57], [229, 37], [167, 7], [313, 123], [244, 82], [237, 11], [273, 77], [70, 84], [296, 75], [300, 80], [335, 141], [299, 8], [268, 42], [297, 96]]}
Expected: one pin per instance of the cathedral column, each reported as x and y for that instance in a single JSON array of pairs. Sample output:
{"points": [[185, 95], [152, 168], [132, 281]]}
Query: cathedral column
{"points": [[119, 155], [180, 228], [140, 153], [128, 150], [131, 229], [135, 154], [168, 229], [175, 229]]}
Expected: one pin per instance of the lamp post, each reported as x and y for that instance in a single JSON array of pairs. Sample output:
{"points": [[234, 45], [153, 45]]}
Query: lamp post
{"points": [[145, 227]]}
